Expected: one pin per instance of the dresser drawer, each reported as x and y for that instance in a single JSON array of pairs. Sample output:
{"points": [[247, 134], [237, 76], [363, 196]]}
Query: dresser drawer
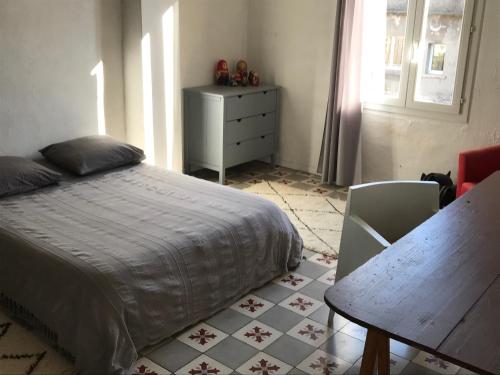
{"points": [[250, 149], [249, 127], [250, 104]]}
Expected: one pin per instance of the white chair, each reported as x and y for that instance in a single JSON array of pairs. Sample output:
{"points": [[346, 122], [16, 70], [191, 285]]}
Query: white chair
{"points": [[377, 215]]}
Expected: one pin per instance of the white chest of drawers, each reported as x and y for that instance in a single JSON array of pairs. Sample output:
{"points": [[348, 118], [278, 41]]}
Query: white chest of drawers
{"points": [[225, 126]]}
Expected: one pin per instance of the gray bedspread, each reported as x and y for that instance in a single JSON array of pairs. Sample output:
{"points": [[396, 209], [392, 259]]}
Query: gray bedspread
{"points": [[117, 262]]}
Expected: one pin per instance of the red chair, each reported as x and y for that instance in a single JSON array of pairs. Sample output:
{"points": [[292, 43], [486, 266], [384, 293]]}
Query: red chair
{"points": [[475, 165]]}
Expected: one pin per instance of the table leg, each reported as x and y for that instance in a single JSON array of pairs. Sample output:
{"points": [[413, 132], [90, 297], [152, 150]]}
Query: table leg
{"points": [[383, 358], [369, 353], [376, 349]]}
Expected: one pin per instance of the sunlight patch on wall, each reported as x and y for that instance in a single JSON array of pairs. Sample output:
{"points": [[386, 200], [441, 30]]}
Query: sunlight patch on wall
{"points": [[147, 93], [98, 72], [169, 80]]}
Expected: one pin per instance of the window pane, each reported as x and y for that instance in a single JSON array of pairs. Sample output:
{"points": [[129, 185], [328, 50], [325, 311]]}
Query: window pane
{"points": [[384, 42], [440, 44], [437, 53], [397, 12]]}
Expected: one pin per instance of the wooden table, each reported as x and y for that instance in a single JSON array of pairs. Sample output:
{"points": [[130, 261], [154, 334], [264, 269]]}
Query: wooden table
{"points": [[437, 288]]}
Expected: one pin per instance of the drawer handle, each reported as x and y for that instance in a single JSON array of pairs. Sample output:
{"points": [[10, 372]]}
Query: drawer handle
{"points": [[240, 96], [238, 143], [264, 115], [262, 136], [264, 92], [239, 120]]}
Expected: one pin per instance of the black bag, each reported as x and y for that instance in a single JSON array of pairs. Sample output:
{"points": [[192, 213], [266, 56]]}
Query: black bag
{"points": [[447, 191]]}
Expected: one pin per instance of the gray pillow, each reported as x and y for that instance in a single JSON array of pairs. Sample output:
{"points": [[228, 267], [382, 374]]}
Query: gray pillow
{"points": [[20, 175], [92, 154]]}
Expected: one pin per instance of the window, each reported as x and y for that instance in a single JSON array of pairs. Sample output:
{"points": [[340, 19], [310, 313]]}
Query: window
{"points": [[416, 53]]}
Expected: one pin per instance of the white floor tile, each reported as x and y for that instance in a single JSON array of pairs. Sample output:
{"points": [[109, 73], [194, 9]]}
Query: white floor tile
{"points": [[436, 364], [321, 362], [292, 281], [326, 260], [301, 304], [204, 365], [202, 337], [311, 332], [328, 277], [252, 306], [264, 364], [397, 364], [146, 366], [257, 334]]}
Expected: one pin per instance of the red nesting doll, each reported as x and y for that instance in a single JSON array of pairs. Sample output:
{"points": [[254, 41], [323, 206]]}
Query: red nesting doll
{"points": [[222, 73]]}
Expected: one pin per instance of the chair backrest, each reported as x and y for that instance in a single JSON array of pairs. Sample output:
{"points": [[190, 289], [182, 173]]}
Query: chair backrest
{"points": [[379, 214], [394, 208]]}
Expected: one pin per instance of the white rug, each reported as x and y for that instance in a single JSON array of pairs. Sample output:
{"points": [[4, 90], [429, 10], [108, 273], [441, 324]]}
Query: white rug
{"points": [[22, 352], [317, 217]]}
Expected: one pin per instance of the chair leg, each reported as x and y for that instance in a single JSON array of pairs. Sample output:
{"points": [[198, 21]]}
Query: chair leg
{"points": [[330, 318]]}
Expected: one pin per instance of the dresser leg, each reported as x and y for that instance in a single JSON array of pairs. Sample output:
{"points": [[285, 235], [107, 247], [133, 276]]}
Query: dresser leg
{"points": [[272, 161], [222, 176]]}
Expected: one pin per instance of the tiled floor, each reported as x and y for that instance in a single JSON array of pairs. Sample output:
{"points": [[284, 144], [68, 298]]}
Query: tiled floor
{"points": [[282, 329]]}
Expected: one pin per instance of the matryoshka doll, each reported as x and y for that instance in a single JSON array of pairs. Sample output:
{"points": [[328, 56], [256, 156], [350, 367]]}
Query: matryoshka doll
{"points": [[242, 70], [222, 73], [253, 78], [235, 80]]}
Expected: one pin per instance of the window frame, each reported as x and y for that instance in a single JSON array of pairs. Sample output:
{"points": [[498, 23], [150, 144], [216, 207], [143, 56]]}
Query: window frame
{"points": [[405, 63], [405, 104]]}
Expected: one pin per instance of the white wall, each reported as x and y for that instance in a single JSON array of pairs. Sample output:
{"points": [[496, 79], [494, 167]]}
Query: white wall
{"points": [[396, 147], [290, 44], [209, 31], [48, 49], [206, 31], [132, 71], [108, 26]]}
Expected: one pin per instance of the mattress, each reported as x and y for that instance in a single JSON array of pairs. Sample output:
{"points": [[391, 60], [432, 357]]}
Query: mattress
{"points": [[116, 262]]}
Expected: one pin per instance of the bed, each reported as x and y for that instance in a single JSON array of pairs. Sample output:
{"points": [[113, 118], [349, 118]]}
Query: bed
{"points": [[115, 262]]}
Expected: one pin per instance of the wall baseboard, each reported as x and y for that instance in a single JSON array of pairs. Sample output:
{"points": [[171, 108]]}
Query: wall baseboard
{"points": [[297, 166]]}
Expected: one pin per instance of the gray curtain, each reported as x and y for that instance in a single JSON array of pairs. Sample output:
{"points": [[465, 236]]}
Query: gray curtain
{"points": [[340, 158]]}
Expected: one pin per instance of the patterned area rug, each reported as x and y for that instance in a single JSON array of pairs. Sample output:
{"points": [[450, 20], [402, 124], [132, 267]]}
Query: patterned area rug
{"points": [[316, 210], [22, 352]]}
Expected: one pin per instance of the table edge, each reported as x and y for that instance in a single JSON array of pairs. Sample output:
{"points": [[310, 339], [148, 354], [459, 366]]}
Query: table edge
{"points": [[402, 339]]}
